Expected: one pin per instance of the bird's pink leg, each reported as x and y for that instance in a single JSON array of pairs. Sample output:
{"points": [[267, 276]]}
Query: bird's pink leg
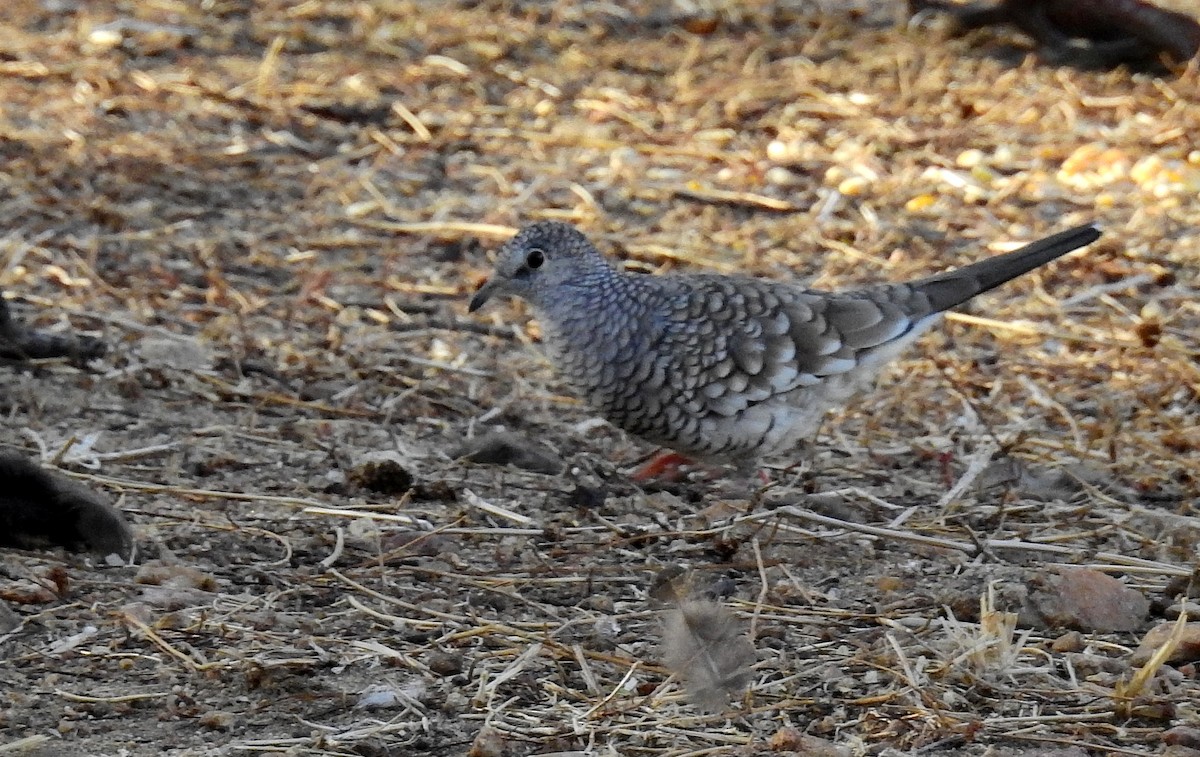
{"points": [[665, 465], [668, 466]]}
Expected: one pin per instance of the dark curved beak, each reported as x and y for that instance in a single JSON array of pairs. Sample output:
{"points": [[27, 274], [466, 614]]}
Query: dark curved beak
{"points": [[482, 295]]}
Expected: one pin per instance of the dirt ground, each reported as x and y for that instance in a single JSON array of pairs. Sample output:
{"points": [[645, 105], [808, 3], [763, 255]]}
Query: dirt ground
{"points": [[274, 214]]}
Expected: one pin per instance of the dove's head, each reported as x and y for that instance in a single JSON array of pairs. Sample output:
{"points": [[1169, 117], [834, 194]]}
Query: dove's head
{"points": [[544, 263]]}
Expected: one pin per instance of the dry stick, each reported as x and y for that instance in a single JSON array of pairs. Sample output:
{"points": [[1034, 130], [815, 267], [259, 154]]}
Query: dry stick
{"points": [[457, 228], [184, 491], [1129, 282], [338, 546], [274, 745], [803, 514], [763, 590], [585, 669], [1038, 396], [1065, 336], [383, 650], [395, 621], [735, 199], [536, 634], [394, 601], [443, 366], [407, 520], [975, 467], [162, 644], [488, 688], [615, 691], [1087, 746], [479, 503], [970, 549], [114, 699], [1039, 719], [658, 251], [283, 399]]}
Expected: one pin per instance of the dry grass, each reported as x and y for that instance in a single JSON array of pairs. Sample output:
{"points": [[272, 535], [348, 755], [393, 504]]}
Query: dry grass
{"points": [[274, 214]]}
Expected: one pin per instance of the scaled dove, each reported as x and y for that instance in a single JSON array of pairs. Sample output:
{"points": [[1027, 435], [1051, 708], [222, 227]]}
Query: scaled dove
{"points": [[723, 368]]}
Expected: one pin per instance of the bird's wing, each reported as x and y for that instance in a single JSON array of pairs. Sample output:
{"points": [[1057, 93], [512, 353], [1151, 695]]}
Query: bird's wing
{"points": [[745, 341]]}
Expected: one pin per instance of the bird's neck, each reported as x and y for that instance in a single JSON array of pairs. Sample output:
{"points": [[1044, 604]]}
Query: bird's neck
{"points": [[598, 313]]}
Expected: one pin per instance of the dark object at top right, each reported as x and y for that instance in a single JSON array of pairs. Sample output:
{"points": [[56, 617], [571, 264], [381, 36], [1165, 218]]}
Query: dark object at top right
{"points": [[1116, 31]]}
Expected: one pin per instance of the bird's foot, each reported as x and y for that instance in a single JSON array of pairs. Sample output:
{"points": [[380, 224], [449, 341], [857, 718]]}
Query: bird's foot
{"points": [[668, 467], [665, 466]]}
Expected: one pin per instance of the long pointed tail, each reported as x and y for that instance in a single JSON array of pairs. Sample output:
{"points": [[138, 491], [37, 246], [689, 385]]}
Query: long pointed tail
{"points": [[945, 290]]}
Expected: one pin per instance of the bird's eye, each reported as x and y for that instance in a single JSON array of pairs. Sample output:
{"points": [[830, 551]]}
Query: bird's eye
{"points": [[535, 258]]}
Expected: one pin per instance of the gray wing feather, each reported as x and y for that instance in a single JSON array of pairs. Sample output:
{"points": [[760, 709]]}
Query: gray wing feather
{"points": [[718, 346], [773, 339]]}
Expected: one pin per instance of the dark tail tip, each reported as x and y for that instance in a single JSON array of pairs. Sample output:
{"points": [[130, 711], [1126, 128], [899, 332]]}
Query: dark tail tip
{"points": [[946, 290]]}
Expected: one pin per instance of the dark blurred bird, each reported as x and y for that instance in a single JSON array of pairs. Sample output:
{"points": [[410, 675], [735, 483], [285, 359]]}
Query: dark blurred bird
{"points": [[1116, 31], [43, 508]]}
